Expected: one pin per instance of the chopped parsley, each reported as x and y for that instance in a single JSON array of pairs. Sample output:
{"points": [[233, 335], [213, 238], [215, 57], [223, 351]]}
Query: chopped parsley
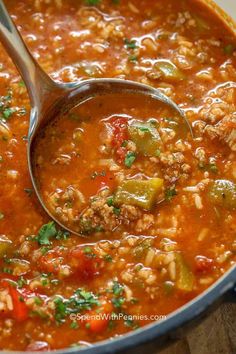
{"points": [[118, 301], [81, 300], [129, 322], [7, 270], [21, 282], [37, 300], [46, 232], [117, 288], [170, 193], [213, 168], [44, 282], [62, 235], [108, 258], [210, 167], [92, 2], [21, 298], [98, 174], [74, 325], [21, 83], [87, 250], [99, 228], [129, 159], [116, 211], [110, 201], [125, 143], [143, 128], [44, 250], [7, 112], [133, 58], [229, 49], [130, 44]]}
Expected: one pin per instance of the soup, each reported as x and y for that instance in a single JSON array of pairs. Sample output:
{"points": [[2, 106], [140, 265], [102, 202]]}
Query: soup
{"points": [[96, 147], [155, 207]]}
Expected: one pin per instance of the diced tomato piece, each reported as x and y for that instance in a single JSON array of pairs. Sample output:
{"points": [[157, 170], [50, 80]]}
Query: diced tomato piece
{"points": [[20, 310], [85, 265], [120, 134], [98, 320], [203, 264], [119, 126]]}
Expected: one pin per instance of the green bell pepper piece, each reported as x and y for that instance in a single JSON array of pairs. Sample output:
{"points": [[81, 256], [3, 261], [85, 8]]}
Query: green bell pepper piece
{"points": [[140, 193], [223, 193], [185, 277], [5, 243], [168, 71], [146, 138]]}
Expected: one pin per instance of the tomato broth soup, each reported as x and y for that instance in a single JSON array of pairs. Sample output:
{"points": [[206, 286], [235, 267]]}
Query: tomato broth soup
{"points": [[128, 135], [155, 208]]}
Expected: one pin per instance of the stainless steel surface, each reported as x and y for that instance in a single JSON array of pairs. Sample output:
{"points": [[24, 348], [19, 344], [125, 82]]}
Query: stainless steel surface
{"points": [[48, 97], [228, 6]]}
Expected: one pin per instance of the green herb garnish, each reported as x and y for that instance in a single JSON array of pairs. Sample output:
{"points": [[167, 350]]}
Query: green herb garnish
{"points": [[170, 193], [87, 250], [133, 58], [108, 258], [118, 301], [81, 300], [74, 325], [92, 2], [46, 232], [129, 159], [130, 44], [7, 112], [21, 83], [116, 211], [229, 49], [21, 282], [110, 201], [117, 288], [96, 174]]}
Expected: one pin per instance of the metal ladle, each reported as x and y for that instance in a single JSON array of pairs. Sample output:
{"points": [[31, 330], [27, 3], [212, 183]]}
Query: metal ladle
{"points": [[48, 98]]}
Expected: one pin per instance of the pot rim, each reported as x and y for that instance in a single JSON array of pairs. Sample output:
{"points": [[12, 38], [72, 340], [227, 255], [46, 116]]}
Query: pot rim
{"points": [[228, 21]]}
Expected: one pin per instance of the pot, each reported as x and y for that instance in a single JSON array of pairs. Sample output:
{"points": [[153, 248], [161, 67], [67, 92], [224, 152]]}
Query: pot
{"points": [[156, 335]]}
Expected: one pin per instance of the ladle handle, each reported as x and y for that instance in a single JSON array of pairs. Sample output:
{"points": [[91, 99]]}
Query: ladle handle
{"points": [[38, 83]]}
